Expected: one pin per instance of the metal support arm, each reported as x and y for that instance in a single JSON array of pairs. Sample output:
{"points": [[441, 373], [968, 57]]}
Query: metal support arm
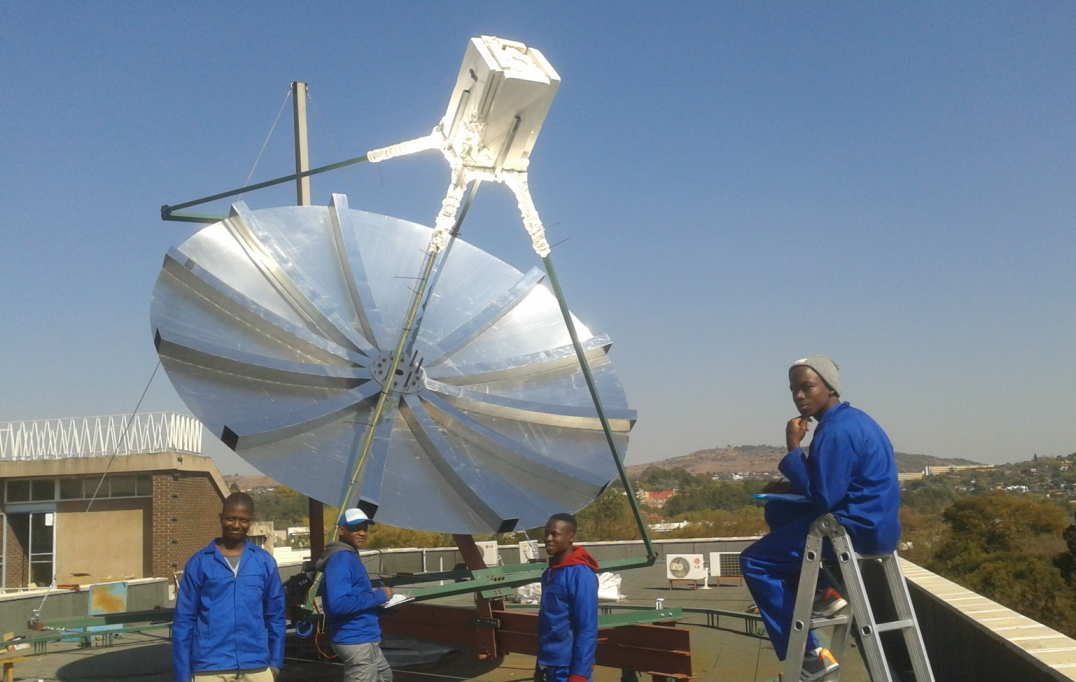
{"points": [[170, 212]]}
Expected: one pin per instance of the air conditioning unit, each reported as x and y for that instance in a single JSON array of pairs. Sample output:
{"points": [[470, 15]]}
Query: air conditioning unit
{"points": [[725, 566], [528, 551], [685, 567], [490, 555]]}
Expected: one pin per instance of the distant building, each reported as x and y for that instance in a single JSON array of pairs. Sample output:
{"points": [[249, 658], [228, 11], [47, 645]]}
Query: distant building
{"points": [[263, 535], [666, 527], [655, 498], [90, 499], [298, 536], [936, 469]]}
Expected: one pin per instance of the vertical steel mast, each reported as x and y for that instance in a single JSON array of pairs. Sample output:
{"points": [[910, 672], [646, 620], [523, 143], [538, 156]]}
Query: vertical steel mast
{"points": [[315, 508]]}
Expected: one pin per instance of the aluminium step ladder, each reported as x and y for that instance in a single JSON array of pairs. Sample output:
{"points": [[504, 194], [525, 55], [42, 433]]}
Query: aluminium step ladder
{"points": [[861, 614]]}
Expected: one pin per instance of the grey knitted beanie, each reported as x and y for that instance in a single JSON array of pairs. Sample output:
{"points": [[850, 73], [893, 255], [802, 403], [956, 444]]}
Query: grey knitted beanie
{"points": [[825, 368]]}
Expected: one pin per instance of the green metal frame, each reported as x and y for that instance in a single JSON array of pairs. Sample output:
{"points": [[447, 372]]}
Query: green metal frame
{"points": [[490, 583], [170, 212], [615, 620], [752, 622], [584, 365], [76, 627]]}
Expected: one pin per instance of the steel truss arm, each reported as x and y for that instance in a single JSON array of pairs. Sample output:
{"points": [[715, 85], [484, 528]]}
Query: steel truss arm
{"points": [[171, 212]]}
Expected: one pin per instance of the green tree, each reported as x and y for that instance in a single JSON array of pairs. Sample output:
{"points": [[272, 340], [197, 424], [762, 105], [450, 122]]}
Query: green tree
{"points": [[656, 478], [607, 518], [1066, 560], [921, 534], [1008, 548], [929, 496], [382, 536], [708, 495], [742, 522], [283, 506]]}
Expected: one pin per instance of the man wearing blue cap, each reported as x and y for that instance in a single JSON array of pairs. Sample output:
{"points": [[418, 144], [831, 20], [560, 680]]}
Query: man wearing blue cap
{"points": [[351, 604], [848, 470]]}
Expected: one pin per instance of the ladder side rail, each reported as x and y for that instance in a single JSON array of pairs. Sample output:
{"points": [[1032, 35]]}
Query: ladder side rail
{"points": [[913, 636], [866, 625], [801, 614], [838, 641]]}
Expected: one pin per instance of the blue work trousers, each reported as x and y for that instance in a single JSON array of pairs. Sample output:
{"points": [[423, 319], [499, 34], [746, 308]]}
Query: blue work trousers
{"points": [[771, 568], [552, 673]]}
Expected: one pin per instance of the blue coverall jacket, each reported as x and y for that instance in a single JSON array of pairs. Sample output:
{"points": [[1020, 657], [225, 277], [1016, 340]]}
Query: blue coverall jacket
{"points": [[568, 619], [352, 606], [228, 622], [850, 470]]}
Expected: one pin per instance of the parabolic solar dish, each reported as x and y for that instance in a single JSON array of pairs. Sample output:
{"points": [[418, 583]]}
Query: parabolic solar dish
{"points": [[277, 328]]}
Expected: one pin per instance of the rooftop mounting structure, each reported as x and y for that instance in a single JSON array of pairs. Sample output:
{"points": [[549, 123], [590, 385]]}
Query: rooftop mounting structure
{"points": [[295, 336], [466, 399]]}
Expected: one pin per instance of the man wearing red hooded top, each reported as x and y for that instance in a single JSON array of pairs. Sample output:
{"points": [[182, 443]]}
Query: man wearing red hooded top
{"points": [[568, 619]]}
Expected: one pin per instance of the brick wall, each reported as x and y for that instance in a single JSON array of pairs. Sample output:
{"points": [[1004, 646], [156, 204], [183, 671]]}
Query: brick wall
{"points": [[185, 517], [15, 562]]}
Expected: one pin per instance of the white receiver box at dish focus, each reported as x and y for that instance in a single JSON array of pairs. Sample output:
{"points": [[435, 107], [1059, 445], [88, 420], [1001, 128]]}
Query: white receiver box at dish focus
{"points": [[503, 93]]}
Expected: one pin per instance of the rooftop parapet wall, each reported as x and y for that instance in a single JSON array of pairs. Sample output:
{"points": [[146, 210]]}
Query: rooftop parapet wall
{"points": [[973, 639], [121, 434]]}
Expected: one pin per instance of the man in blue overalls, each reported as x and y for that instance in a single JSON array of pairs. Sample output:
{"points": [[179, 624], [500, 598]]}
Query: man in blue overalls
{"points": [[568, 617], [849, 471], [229, 620], [352, 605]]}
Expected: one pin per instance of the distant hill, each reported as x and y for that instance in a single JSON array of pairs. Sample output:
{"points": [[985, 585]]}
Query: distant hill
{"points": [[764, 458], [252, 482]]}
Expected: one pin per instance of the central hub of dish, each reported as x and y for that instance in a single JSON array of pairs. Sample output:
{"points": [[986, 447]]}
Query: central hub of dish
{"points": [[408, 376]]}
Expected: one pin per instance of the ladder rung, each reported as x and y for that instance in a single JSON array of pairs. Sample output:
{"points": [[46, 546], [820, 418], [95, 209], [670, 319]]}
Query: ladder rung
{"points": [[895, 625], [828, 622]]}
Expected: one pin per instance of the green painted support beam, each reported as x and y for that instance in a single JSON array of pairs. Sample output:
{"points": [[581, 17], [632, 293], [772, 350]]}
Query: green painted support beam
{"points": [[584, 366], [160, 615], [484, 579], [615, 620], [194, 218], [170, 212], [498, 593], [40, 642], [492, 582], [623, 564], [415, 578]]}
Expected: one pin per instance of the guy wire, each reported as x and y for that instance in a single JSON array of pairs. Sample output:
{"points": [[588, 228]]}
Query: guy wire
{"points": [[265, 143]]}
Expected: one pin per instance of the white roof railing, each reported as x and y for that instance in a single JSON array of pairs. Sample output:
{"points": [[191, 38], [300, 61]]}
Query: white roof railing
{"points": [[75, 437]]}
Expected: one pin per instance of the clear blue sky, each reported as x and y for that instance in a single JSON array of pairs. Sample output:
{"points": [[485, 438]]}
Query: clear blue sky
{"points": [[739, 184]]}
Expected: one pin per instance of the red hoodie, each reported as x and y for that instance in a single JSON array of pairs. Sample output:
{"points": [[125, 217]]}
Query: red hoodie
{"points": [[578, 556]]}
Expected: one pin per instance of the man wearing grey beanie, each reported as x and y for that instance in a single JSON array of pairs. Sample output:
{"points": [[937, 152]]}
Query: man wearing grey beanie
{"points": [[848, 470]]}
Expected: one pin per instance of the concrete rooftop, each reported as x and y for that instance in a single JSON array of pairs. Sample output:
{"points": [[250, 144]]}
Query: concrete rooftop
{"points": [[727, 653]]}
